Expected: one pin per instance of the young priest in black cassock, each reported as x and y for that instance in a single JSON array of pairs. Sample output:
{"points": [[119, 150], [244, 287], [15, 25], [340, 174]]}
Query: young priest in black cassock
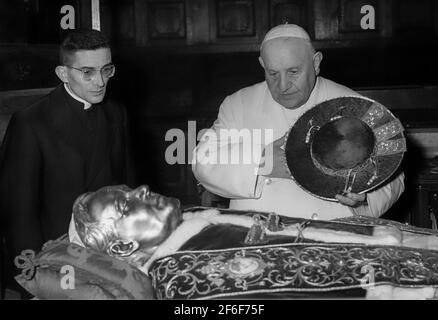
{"points": [[70, 142]]}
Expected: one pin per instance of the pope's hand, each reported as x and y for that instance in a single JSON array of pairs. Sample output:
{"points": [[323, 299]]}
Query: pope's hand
{"points": [[273, 164], [352, 199]]}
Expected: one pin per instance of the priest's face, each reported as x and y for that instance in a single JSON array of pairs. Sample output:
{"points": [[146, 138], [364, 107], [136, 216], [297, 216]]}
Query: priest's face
{"points": [[84, 63], [137, 215]]}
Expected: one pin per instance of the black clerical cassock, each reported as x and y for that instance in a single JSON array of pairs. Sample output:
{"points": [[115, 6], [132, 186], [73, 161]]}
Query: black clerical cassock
{"points": [[54, 151]]}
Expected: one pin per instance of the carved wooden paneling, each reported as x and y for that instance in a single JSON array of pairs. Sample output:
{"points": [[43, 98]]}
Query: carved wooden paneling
{"points": [[415, 18], [289, 11], [141, 36], [198, 30], [386, 17], [350, 18], [166, 20], [26, 67], [238, 22], [125, 21], [34, 21], [326, 19], [235, 18], [350, 15], [106, 19]]}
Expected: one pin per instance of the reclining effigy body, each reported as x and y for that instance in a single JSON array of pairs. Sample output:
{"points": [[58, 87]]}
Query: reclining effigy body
{"points": [[207, 253]]}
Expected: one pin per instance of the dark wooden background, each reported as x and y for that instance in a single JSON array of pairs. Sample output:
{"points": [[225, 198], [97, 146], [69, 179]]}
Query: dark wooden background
{"points": [[178, 59]]}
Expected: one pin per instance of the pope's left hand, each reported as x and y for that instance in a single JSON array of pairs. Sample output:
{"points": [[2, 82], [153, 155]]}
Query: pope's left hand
{"points": [[352, 199]]}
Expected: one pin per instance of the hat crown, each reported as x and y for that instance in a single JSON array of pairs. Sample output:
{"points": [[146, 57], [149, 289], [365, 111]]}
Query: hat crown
{"points": [[286, 31], [344, 143]]}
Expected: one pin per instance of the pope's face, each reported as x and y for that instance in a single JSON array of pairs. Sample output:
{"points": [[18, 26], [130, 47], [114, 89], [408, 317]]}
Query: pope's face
{"points": [[138, 214], [290, 70]]}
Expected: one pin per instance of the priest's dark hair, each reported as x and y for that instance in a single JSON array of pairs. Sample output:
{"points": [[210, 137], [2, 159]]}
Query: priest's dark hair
{"points": [[81, 39]]}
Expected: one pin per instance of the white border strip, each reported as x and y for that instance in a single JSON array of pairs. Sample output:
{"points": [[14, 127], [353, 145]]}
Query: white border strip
{"points": [[95, 15]]}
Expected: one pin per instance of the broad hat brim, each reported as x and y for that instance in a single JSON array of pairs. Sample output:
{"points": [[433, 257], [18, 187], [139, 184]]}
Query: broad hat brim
{"points": [[388, 149]]}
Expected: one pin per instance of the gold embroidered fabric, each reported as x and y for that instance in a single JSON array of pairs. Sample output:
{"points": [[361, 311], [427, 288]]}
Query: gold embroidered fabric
{"points": [[289, 268]]}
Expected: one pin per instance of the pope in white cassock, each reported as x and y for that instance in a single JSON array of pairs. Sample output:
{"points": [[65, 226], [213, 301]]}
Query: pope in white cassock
{"points": [[292, 87]]}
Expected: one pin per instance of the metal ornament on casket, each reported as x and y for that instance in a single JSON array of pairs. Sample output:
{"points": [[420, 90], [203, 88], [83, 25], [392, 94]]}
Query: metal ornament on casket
{"points": [[347, 144]]}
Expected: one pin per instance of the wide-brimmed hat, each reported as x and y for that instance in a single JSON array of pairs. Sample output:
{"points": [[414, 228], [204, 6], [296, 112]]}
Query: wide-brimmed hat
{"points": [[347, 144]]}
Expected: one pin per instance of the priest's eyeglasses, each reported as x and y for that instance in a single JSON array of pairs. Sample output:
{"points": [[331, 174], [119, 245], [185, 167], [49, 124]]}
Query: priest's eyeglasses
{"points": [[89, 73]]}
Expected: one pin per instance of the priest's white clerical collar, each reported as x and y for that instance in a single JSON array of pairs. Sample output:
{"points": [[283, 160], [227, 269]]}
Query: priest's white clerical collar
{"points": [[87, 105]]}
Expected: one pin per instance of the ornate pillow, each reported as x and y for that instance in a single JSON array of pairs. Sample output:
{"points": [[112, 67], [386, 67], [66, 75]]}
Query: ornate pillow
{"points": [[63, 270]]}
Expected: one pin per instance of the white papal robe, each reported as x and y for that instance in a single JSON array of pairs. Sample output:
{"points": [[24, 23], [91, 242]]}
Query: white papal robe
{"points": [[254, 108]]}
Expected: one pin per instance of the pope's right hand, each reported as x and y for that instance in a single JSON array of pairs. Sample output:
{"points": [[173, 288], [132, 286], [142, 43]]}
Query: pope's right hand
{"points": [[273, 164]]}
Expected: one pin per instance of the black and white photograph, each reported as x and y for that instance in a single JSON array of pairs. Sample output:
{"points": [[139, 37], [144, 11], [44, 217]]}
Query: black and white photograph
{"points": [[245, 150]]}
